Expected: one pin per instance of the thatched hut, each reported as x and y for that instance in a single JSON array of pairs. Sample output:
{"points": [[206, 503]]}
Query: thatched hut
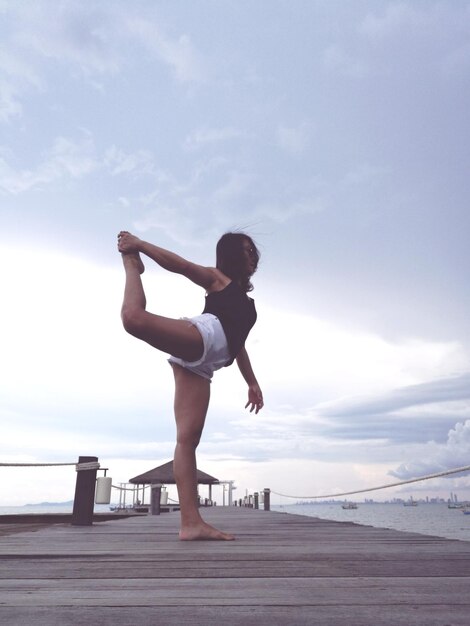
{"points": [[164, 475]]}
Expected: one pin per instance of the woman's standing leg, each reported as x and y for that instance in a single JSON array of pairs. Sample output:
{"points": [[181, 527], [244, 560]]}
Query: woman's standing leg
{"points": [[192, 394]]}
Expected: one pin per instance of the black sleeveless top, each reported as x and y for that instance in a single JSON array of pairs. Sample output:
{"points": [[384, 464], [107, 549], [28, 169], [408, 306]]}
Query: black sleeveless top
{"points": [[236, 312]]}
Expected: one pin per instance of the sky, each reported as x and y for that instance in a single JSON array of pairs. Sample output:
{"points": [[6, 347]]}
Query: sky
{"points": [[334, 132]]}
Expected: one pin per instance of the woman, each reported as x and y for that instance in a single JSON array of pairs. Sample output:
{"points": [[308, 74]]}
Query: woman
{"points": [[198, 347]]}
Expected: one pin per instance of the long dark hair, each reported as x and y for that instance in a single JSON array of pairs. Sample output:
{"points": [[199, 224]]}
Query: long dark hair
{"points": [[232, 261]]}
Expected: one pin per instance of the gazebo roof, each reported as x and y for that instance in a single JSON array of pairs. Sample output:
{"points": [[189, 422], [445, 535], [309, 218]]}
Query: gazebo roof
{"points": [[164, 474]]}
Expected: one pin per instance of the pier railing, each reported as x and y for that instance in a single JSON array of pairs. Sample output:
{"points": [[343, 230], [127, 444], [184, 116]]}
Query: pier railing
{"points": [[85, 486], [455, 470], [87, 489]]}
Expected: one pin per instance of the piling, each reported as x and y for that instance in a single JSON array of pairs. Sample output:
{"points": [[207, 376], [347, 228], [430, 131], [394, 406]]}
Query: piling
{"points": [[84, 499]]}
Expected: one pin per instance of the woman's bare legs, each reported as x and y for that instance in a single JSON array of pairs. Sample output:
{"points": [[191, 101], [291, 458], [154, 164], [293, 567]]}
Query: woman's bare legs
{"points": [[176, 337], [179, 338], [192, 394]]}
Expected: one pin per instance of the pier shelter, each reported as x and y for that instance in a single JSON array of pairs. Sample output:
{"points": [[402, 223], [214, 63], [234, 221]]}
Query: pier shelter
{"points": [[163, 474]]}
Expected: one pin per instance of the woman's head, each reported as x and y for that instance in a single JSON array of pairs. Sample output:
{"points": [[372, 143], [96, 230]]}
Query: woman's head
{"points": [[237, 258]]}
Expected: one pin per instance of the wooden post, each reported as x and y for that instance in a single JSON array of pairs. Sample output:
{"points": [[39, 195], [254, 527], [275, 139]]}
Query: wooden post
{"points": [[155, 497], [267, 503], [84, 500], [256, 495]]}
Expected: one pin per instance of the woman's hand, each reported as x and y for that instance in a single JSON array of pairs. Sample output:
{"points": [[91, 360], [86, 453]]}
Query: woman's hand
{"points": [[128, 243], [255, 399]]}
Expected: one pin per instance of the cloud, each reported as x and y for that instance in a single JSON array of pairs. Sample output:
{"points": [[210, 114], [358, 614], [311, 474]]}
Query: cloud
{"points": [[79, 36], [414, 414], [364, 174], [203, 137], [431, 32], [65, 159], [338, 61], [453, 454], [61, 332], [450, 389], [331, 393], [212, 188], [120, 162], [394, 17], [294, 139], [91, 40], [18, 78], [69, 158], [10, 105], [282, 212], [177, 53]]}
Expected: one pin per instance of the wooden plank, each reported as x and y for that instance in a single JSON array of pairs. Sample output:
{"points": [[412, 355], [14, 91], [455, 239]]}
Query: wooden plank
{"points": [[281, 569], [377, 591], [40, 569], [236, 616]]}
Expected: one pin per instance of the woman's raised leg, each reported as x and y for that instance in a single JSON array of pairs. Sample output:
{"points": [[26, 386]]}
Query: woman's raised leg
{"points": [[192, 393], [177, 337]]}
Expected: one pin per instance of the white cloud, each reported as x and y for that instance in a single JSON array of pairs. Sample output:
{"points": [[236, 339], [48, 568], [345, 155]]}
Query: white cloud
{"points": [[313, 375], [436, 458], [231, 189], [79, 35], [364, 174], [295, 139], [178, 53], [92, 41], [457, 61], [176, 206], [398, 17], [203, 137], [66, 158], [431, 33], [61, 332], [10, 105], [282, 212], [69, 158], [18, 78], [120, 162], [337, 61]]}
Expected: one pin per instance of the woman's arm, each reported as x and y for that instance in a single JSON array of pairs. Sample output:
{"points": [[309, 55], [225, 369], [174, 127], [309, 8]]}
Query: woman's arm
{"points": [[255, 396], [206, 277]]}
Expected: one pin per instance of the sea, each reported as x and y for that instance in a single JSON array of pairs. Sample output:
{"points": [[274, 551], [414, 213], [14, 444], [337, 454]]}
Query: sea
{"points": [[426, 518], [47, 508]]}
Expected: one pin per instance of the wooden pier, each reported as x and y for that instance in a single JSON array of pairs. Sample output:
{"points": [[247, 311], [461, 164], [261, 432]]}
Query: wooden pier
{"points": [[282, 569]]}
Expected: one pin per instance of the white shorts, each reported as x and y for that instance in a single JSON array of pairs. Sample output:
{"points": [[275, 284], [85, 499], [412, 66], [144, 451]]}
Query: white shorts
{"points": [[216, 352]]}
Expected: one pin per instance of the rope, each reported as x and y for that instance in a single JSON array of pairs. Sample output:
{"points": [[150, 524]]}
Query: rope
{"points": [[34, 464], [78, 466], [124, 488], [403, 482], [92, 465]]}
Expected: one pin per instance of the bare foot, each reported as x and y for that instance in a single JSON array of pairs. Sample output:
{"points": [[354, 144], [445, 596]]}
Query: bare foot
{"points": [[134, 258], [203, 532]]}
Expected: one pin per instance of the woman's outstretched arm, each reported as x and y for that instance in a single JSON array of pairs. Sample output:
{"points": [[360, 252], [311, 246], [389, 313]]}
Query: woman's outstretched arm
{"points": [[255, 396], [206, 277]]}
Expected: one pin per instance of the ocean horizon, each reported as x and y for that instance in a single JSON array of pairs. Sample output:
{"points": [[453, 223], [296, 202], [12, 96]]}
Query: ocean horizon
{"points": [[44, 508], [434, 519]]}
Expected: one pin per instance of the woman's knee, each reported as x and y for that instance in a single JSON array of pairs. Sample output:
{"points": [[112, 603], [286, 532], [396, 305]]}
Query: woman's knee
{"points": [[189, 438], [133, 320]]}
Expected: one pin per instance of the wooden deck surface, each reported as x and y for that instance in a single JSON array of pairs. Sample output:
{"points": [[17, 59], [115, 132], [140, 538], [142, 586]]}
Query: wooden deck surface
{"points": [[282, 569]]}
